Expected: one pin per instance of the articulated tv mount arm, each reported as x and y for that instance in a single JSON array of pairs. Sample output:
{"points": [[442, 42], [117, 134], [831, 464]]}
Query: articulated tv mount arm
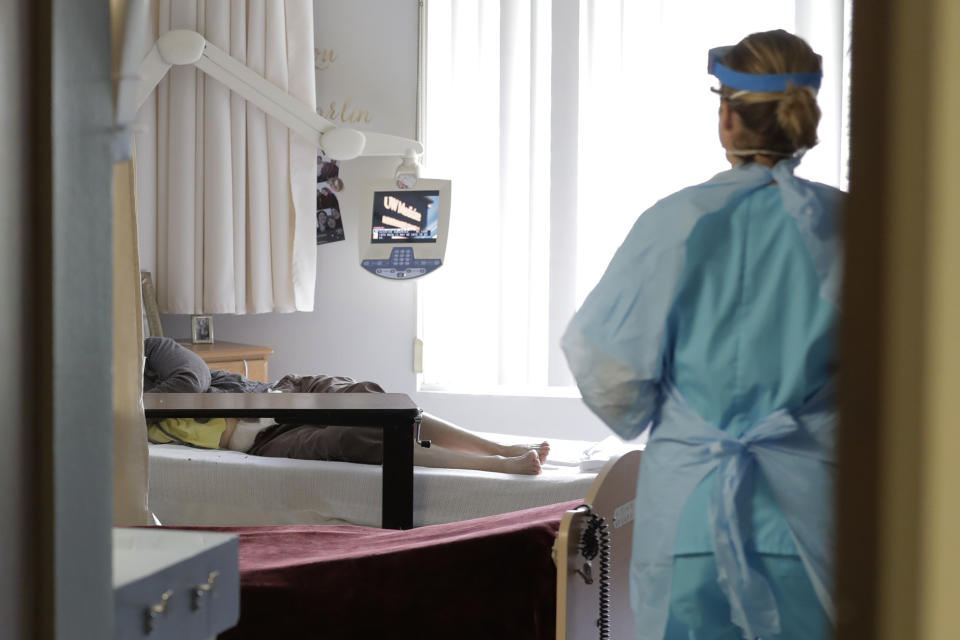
{"points": [[183, 47]]}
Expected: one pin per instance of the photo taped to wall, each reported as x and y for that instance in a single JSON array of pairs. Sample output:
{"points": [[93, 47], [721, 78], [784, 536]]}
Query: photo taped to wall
{"points": [[329, 184]]}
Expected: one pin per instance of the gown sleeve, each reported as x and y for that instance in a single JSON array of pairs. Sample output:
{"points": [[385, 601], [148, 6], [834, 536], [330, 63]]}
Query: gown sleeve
{"points": [[615, 342], [172, 368]]}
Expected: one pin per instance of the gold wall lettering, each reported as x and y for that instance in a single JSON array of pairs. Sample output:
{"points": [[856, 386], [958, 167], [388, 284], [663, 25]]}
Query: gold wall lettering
{"points": [[346, 112], [323, 58]]}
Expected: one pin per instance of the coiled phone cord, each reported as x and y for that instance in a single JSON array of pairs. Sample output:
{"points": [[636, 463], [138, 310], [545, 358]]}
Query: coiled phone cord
{"points": [[596, 539], [418, 421]]}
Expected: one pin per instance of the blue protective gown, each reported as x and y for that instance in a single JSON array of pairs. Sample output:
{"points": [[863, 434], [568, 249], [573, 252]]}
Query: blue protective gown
{"points": [[714, 324]]}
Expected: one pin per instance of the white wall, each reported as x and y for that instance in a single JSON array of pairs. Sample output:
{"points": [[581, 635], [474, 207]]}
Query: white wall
{"points": [[362, 326], [365, 326]]}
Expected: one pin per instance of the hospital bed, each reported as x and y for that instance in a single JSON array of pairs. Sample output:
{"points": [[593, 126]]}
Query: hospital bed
{"points": [[393, 413], [190, 486], [515, 575], [193, 486]]}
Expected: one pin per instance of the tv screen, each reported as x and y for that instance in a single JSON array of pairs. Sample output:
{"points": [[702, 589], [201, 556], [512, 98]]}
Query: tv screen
{"points": [[409, 215]]}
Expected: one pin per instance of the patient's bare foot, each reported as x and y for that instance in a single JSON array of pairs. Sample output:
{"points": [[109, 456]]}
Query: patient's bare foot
{"points": [[512, 450], [526, 464]]}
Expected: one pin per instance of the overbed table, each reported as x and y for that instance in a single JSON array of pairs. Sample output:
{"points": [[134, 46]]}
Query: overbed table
{"points": [[395, 413]]}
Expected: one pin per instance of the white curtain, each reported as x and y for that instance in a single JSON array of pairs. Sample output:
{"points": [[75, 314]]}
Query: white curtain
{"points": [[232, 194], [488, 128], [559, 123]]}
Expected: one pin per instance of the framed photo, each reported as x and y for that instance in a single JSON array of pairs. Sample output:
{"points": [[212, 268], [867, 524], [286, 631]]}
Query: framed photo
{"points": [[202, 329]]}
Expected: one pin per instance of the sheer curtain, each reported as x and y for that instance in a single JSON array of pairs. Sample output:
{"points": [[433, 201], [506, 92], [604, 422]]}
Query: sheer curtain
{"points": [[230, 198], [559, 123]]}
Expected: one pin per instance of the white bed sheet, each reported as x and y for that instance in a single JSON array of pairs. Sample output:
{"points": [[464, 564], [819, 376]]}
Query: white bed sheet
{"points": [[226, 488]]}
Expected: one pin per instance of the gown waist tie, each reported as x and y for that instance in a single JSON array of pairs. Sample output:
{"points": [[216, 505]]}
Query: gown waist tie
{"points": [[752, 604], [793, 450]]}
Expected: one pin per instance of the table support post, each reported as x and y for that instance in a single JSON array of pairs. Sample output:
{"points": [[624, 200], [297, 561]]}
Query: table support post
{"points": [[397, 476]]}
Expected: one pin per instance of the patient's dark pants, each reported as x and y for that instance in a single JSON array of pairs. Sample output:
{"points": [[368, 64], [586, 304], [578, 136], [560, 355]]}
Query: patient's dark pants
{"points": [[318, 442]]}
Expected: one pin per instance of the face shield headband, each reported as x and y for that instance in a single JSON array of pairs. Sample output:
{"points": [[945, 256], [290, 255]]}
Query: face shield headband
{"points": [[767, 83]]}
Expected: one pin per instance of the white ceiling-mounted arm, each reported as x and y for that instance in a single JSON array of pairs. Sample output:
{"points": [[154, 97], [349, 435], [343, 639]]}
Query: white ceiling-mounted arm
{"points": [[134, 38], [181, 47], [152, 70], [272, 99]]}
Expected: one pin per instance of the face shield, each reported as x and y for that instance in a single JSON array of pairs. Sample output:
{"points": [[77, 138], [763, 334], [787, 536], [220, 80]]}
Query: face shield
{"points": [[758, 82]]}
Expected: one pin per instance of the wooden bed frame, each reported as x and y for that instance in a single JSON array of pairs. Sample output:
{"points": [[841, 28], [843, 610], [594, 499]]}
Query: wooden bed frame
{"points": [[395, 413]]}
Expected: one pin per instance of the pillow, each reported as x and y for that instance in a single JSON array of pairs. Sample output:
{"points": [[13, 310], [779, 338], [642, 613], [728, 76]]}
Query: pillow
{"points": [[193, 433]]}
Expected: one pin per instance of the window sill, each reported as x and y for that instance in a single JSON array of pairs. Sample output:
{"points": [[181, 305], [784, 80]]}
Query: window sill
{"points": [[503, 391], [541, 412]]}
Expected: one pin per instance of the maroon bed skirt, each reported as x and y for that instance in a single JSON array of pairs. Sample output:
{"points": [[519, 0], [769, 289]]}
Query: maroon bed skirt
{"points": [[486, 578]]}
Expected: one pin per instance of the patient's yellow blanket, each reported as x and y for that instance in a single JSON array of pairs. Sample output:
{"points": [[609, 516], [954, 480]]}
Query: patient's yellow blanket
{"points": [[188, 431]]}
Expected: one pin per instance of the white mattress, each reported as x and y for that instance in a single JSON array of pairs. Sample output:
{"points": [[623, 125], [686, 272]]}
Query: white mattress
{"points": [[225, 488]]}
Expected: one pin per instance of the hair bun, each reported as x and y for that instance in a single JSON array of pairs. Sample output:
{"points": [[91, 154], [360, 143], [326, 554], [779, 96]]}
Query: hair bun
{"points": [[798, 116]]}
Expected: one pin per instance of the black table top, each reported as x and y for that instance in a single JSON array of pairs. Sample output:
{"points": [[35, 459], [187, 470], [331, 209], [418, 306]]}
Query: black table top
{"points": [[320, 408]]}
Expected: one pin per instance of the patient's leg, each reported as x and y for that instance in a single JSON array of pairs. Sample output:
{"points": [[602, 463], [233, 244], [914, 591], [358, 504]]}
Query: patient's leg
{"points": [[436, 456], [446, 434], [365, 445], [440, 432]]}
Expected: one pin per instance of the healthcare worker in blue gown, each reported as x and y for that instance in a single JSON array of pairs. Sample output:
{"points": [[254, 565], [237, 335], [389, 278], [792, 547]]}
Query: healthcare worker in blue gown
{"points": [[714, 324]]}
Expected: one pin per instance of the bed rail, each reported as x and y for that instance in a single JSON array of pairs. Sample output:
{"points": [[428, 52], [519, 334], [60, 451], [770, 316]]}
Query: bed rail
{"points": [[592, 556]]}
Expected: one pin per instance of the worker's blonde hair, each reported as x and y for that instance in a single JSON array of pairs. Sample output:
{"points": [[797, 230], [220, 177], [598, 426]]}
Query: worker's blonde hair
{"points": [[782, 122]]}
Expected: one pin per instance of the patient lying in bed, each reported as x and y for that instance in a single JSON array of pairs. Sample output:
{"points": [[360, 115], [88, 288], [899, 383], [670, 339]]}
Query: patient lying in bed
{"points": [[172, 368]]}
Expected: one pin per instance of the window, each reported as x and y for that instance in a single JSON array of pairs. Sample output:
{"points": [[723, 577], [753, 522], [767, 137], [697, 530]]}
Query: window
{"points": [[559, 123]]}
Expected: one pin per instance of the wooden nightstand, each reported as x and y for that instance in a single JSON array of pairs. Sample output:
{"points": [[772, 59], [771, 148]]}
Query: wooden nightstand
{"points": [[248, 360]]}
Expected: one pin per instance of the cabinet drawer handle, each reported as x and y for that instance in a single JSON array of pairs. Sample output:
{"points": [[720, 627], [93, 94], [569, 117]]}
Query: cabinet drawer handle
{"points": [[201, 590], [246, 372], [155, 611]]}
